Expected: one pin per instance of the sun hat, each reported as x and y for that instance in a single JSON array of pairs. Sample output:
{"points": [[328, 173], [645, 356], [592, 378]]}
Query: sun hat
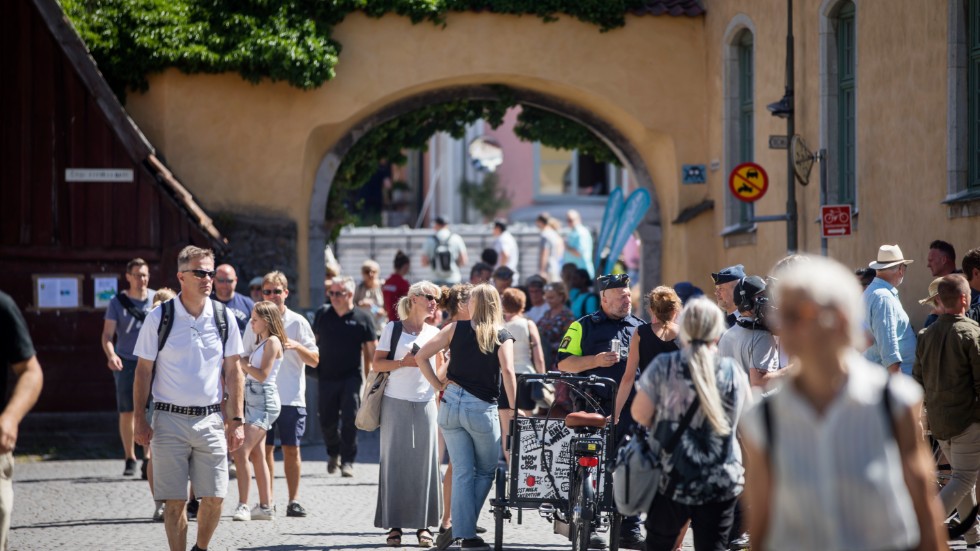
{"points": [[889, 256], [933, 292]]}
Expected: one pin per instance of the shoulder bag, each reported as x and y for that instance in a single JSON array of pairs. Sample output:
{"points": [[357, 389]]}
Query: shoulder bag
{"points": [[369, 414], [640, 466]]}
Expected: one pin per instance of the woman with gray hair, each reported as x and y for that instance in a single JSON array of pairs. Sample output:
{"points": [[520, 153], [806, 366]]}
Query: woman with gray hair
{"points": [[409, 490], [696, 395], [839, 429]]}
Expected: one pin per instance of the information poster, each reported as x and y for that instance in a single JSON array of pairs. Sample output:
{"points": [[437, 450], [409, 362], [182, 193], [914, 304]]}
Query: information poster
{"points": [[57, 291], [106, 287]]}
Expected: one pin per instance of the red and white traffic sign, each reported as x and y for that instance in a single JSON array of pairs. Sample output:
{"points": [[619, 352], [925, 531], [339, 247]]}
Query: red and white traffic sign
{"points": [[835, 220]]}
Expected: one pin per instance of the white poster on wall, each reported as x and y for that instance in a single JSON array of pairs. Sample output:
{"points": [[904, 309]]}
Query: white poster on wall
{"points": [[57, 292], [106, 287]]}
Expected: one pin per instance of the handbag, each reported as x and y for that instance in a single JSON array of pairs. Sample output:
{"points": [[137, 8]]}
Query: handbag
{"points": [[639, 467], [369, 414]]}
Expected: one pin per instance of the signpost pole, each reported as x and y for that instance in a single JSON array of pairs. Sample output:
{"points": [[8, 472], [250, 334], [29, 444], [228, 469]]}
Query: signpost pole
{"points": [[791, 211], [823, 198]]}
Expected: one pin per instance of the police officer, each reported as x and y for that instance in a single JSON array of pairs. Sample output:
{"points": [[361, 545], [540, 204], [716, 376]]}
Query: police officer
{"points": [[586, 350], [725, 280]]}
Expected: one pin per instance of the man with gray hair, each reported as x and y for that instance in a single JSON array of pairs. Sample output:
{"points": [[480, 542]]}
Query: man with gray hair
{"points": [[188, 350], [893, 343], [348, 336]]}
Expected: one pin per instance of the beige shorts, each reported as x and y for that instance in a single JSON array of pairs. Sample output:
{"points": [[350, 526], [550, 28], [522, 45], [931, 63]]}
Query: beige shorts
{"points": [[191, 449], [6, 496]]}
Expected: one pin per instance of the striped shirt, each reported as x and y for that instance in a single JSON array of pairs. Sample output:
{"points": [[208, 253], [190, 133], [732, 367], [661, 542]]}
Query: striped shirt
{"points": [[837, 478]]}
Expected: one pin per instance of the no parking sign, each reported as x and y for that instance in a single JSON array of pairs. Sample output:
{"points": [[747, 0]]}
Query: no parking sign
{"points": [[748, 182]]}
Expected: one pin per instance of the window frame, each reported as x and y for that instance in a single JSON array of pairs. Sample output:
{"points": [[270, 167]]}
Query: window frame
{"points": [[739, 120]]}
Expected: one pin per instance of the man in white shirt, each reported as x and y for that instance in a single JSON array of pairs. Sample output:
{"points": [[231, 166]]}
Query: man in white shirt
{"points": [[506, 247], [190, 441], [300, 351], [444, 253]]}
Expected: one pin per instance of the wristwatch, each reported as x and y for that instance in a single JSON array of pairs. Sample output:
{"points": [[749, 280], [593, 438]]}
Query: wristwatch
{"points": [[239, 419]]}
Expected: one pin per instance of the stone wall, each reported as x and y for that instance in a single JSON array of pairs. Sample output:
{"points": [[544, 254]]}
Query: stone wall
{"points": [[258, 245]]}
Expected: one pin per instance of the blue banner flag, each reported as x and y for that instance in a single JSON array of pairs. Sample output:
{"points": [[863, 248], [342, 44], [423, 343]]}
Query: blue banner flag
{"points": [[613, 207], [630, 216]]}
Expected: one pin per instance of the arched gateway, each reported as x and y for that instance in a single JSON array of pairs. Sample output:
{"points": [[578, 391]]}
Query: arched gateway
{"points": [[272, 149]]}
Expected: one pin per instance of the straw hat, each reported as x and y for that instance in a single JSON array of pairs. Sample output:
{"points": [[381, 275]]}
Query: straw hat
{"points": [[933, 292], [889, 256]]}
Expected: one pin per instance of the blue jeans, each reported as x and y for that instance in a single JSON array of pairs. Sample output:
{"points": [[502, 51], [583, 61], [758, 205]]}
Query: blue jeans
{"points": [[472, 432]]}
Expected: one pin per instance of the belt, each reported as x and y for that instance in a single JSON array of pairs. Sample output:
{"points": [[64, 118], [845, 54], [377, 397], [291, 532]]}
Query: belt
{"points": [[188, 410]]}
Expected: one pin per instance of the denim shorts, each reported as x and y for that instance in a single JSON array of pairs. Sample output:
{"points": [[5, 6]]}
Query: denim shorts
{"points": [[124, 386], [261, 404], [291, 425]]}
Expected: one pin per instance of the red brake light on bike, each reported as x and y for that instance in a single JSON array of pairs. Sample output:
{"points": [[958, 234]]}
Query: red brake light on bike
{"points": [[588, 461]]}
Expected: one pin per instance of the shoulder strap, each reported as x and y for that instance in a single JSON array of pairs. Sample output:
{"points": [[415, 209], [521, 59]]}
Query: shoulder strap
{"points": [[396, 333], [126, 303], [685, 422], [219, 318], [166, 323]]}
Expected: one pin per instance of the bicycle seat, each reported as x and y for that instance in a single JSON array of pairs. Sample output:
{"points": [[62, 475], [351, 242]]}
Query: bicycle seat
{"points": [[579, 419]]}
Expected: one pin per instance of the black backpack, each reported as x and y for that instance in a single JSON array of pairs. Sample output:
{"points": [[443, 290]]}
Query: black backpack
{"points": [[442, 258]]}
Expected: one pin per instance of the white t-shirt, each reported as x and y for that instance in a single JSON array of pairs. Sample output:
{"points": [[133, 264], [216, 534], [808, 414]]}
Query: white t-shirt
{"points": [[407, 383], [292, 375], [188, 369], [255, 360], [505, 243], [535, 313], [456, 248]]}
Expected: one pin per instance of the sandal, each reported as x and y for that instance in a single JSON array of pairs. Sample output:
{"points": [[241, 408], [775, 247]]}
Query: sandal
{"points": [[425, 538], [394, 537]]}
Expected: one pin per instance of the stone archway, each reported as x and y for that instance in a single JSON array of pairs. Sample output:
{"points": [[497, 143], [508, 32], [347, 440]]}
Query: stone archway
{"points": [[650, 229]]}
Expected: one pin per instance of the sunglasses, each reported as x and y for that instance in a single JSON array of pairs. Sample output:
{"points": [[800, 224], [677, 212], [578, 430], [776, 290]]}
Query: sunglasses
{"points": [[336, 293], [268, 292], [429, 297], [201, 274], [223, 280]]}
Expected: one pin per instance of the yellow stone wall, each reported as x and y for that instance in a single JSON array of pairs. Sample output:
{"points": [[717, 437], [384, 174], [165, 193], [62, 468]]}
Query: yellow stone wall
{"points": [[658, 81]]}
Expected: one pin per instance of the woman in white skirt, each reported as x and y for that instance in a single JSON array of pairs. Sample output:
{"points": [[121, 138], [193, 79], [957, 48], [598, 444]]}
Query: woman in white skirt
{"points": [[262, 408], [409, 488]]}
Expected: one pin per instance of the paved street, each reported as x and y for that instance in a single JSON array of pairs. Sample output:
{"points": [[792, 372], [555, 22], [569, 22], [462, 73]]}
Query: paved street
{"points": [[86, 504]]}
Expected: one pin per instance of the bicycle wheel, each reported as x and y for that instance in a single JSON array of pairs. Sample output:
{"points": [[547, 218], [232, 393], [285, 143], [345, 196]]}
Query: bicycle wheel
{"points": [[582, 511]]}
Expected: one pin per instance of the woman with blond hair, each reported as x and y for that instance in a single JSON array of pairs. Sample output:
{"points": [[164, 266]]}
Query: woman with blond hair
{"points": [[482, 355], [262, 408], [651, 339], [840, 432], [694, 391], [409, 492]]}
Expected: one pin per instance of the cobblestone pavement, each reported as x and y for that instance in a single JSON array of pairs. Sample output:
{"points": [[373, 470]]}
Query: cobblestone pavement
{"points": [[87, 504]]}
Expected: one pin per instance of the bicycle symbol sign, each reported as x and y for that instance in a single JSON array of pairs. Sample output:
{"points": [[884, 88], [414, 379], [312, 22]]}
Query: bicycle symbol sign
{"points": [[835, 220], [748, 182]]}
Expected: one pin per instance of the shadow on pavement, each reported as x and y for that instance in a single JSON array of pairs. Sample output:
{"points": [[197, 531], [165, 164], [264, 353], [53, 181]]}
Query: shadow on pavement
{"points": [[85, 522]]}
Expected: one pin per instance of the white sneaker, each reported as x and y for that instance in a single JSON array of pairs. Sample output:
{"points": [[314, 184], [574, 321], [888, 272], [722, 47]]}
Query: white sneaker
{"points": [[261, 512], [158, 511], [242, 513]]}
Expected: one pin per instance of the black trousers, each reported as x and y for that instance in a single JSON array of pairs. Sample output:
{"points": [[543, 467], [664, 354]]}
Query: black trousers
{"points": [[338, 404], [711, 522]]}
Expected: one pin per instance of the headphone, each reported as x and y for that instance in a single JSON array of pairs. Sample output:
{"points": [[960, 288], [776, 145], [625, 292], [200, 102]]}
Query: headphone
{"points": [[743, 301]]}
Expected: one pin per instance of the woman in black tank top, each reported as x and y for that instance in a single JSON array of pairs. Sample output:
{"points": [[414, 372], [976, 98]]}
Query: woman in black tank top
{"points": [[482, 356], [651, 339]]}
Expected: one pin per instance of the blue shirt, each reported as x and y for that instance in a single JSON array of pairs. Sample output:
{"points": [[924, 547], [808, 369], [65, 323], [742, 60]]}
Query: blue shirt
{"points": [[580, 239], [127, 327], [894, 340]]}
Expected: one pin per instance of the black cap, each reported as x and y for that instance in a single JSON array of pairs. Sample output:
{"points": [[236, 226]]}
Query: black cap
{"points": [[612, 281], [731, 273]]}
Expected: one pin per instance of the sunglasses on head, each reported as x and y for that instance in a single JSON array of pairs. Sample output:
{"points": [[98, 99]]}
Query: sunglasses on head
{"points": [[268, 292], [201, 274]]}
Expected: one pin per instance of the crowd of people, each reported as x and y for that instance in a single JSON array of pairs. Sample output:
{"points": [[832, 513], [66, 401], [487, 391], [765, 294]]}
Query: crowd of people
{"points": [[789, 377]]}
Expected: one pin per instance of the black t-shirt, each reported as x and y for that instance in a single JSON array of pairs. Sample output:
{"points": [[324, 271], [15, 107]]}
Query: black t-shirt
{"points": [[340, 340], [15, 341], [476, 372], [652, 346]]}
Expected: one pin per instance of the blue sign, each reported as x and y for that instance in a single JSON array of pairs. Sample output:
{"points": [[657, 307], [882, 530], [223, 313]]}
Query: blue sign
{"points": [[694, 174]]}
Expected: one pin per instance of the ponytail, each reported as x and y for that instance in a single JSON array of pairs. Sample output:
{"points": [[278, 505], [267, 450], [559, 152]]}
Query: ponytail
{"points": [[701, 325]]}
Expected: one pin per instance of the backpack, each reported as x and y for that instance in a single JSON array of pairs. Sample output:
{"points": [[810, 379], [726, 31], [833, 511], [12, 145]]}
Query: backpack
{"points": [[167, 323], [442, 257]]}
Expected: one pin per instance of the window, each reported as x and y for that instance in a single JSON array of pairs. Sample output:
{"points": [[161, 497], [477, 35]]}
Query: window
{"points": [[740, 120], [563, 173], [846, 192], [973, 95]]}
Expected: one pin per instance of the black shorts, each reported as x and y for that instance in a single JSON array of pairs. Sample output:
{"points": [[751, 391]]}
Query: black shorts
{"points": [[291, 424]]}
